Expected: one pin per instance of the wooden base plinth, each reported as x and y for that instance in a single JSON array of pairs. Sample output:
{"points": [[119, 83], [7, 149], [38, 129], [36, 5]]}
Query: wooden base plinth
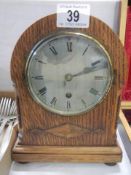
{"points": [[22, 153]]}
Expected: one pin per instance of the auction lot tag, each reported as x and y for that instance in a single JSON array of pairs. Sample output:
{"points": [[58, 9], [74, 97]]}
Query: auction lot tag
{"points": [[73, 15]]}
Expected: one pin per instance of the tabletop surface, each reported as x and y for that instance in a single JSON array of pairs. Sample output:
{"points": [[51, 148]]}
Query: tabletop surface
{"points": [[123, 168]]}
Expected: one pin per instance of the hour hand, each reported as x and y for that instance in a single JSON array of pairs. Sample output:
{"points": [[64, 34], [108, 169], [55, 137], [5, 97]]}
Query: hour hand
{"points": [[84, 71]]}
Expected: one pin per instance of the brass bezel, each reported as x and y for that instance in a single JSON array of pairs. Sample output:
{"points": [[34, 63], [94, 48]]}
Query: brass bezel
{"points": [[49, 108]]}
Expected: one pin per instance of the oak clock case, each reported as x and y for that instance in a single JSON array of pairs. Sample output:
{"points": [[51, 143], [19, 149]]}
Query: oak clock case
{"points": [[68, 84]]}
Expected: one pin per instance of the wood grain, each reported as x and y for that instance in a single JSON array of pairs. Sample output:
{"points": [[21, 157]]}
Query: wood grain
{"points": [[123, 15], [67, 130], [67, 158], [67, 154], [125, 123], [126, 105], [66, 150], [33, 117]]}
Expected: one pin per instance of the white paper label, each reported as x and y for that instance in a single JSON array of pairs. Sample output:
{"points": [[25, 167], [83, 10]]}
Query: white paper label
{"points": [[73, 15]]}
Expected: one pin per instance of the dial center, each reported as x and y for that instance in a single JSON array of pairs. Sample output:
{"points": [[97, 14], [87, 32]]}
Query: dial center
{"points": [[68, 77]]}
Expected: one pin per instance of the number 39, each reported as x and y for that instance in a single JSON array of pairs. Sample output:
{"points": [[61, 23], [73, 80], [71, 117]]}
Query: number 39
{"points": [[73, 16]]}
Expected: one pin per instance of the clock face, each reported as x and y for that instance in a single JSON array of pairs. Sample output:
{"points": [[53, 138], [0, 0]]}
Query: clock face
{"points": [[68, 73]]}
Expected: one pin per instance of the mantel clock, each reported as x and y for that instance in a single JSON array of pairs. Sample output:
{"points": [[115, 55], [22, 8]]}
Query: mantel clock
{"points": [[68, 84]]}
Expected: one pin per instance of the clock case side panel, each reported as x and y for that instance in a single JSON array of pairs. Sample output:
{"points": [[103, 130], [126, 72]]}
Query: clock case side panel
{"points": [[41, 127]]}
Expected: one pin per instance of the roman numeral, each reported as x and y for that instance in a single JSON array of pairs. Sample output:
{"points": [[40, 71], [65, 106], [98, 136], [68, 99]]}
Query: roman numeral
{"points": [[53, 50], [43, 91], [93, 91], [68, 105], [83, 102], [53, 101], [99, 77], [38, 77], [96, 62], [69, 46], [39, 61], [85, 50]]}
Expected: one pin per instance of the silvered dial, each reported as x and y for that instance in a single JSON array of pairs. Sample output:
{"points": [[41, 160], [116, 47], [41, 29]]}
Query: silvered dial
{"points": [[68, 73]]}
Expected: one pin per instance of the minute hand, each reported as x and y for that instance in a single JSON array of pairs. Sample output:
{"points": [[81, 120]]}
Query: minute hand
{"points": [[87, 70]]}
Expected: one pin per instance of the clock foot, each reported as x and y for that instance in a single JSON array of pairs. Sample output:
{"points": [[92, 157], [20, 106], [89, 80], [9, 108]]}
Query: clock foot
{"points": [[111, 164]]}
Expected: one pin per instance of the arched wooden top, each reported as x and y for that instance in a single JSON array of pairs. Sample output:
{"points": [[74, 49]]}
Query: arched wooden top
{"points": [[47, 25]]}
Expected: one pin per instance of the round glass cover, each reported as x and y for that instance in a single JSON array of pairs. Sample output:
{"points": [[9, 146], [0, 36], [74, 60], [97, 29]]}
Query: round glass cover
{"points": [[68, 73]]}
